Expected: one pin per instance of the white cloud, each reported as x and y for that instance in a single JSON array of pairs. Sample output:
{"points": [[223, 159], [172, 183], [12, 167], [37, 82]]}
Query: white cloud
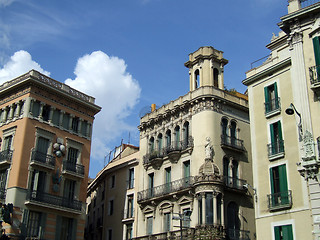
{"points": [[115, 90], [20, 63], [5, 3]]}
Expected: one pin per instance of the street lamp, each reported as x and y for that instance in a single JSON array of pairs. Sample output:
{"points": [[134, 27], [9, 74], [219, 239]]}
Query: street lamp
{"points": [[185, 216], [290, 111]]}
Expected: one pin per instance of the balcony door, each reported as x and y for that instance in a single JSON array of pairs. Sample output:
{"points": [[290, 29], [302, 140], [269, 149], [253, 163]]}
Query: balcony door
{"points": [[69, 189], [168, 179], [279, 185]]}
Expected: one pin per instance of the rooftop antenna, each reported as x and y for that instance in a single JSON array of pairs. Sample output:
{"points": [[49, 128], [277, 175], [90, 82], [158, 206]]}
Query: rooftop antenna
{"points": [[104, 161], [129, 138]]}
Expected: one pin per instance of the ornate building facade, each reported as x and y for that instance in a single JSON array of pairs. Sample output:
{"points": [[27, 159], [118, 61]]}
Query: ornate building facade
{"points": [[284, 111], [45, 133], [196, 161]]}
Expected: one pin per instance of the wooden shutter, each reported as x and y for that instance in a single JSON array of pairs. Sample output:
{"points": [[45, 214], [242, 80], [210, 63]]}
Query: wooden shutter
{"points": [[316, 48]]}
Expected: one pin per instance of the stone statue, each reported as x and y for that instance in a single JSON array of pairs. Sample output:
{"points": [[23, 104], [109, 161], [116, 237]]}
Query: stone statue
{"points": [[209, 149]]}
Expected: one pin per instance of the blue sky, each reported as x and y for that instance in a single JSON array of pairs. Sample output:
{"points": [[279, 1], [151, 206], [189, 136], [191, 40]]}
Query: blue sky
{"points": [[129, 54]]}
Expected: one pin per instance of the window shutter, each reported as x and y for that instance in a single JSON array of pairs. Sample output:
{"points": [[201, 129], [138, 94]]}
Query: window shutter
{"points": [[271, 180], [316, 48], [276, 100], [266, 99], [287, 232], [273, 146], [277, 234]]}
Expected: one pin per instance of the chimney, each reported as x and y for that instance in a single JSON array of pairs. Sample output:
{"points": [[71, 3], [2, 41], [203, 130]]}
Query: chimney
{"points": [[153, 107], [293, 5]]}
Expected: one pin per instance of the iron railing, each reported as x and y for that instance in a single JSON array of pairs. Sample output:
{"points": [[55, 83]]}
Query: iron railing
{"points": [[73, 167], [235, 234], [43, 158], [232, 182], [272, 105], [6, 155], [314, 73], [58, 201], [164, 189], [279, 200], [275, 148], [306, 3], [165, 151], [232, 142]]}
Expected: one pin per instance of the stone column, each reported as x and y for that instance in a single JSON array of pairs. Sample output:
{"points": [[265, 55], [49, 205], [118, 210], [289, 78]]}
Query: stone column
{"points": [[10, 112], [222, 212], [215, 209], [18, 109], [203, 202], [70, 121], [26, 108], [61, 117]]}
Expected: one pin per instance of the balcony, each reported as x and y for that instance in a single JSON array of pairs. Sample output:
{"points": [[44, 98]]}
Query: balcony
{"points": [[280, 201], [5, 157], [42, 159], [234, 234], [276, 150], [56, 202], [272, 107], [173, 152], [314, 73], [73, 169], [166, 189], [234, 183], [232, 143]]}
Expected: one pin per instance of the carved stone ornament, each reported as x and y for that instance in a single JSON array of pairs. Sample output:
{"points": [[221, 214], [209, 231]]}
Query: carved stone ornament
{"points": [[308, 147], [209, 149]]}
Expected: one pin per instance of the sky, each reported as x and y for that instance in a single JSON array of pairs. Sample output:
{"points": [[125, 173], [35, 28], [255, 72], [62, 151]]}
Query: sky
{"points": [[129, 54]]}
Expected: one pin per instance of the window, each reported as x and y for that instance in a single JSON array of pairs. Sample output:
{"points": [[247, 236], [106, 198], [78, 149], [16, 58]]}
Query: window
{"points": [[167, 222], [159, 142], [186, 220], [279, 187], [111, 207], [75, 124], [200, 210], [186, 169], [233, 132], [224, 125], [272, 101], [149, 225], [72, 155], [36, 108], [3, 183], [110, 234], [131, 178], [177, 135], [113, 181], [277, 145], [38, 181], [56, 117], [233, 221], [151, 145], [129, 232], [7, 142], [186, 134], [130, 206], [168, 179], [67, 229], [209, 208], [69, 189], [45, 113], [197, 78], [65, 121], [151, 183], [283, 232], [42, 145], [84, 126], [33, 224], [215, 77], [168, 138]]}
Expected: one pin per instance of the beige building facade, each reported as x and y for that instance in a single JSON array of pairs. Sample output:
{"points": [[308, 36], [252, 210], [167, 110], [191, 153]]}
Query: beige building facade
{"points": [[45, 131], [195, 167], [284, 110], [111, 197]]}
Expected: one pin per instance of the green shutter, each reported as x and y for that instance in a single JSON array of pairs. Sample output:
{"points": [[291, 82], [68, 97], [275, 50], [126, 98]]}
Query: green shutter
{"points": [[283, 184], [316, 48], [287, 232], [281, 145], [266, 98], [276, 100], [273, 144], [271, 181], [277, 234]]}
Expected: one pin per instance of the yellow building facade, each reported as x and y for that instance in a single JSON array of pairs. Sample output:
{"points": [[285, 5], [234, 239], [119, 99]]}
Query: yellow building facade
{"points": [[45, 131], [284, 110]]}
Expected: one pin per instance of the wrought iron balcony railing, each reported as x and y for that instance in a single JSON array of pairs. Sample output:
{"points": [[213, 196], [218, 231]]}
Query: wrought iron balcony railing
{"points": [[235, 234], [275, 148], [272, 106], [46, 159], [232, 142], [73, 167], [236, 183], [6, 155], [167, 188], [165, 151], [281, 200], [53, 200]]}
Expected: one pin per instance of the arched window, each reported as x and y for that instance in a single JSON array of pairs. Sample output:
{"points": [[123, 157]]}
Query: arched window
{"points": [[226, 171], [233, 133], [224, 127], [197, 78], [215, 77], [233, 221], [159, 140], [235, 175], [186, 133], [168, 138], [177, 136], [151, 144]]}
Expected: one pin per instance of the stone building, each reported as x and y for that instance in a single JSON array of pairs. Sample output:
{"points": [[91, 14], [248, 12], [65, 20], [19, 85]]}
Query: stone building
{"points": [[196, 160], [284, 111], [45, 133]]}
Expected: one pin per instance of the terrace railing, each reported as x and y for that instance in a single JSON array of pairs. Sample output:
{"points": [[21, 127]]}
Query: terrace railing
{"points": [[275, 148], [167, 188], [280, 200], [272, 105], [45, 159], [236, 183], [73, 167], [232, 142]]}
